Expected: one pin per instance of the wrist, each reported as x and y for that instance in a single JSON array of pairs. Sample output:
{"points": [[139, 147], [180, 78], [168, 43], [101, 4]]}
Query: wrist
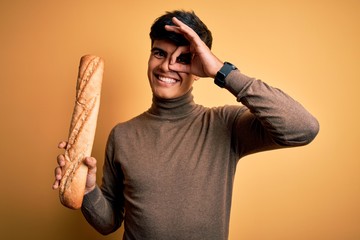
{"points": [[216, 69], [90, 189]]}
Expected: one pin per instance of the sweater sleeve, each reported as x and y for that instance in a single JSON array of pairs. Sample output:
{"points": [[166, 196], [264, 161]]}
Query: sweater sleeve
{"points": [[272, 119], [103, 207]]}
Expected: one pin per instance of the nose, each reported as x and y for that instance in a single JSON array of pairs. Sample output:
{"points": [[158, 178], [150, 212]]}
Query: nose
{"points": [[164, 65]]}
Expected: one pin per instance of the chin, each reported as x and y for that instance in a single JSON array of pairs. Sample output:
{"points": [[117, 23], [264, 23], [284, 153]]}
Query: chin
{"points": [[165, 95]]}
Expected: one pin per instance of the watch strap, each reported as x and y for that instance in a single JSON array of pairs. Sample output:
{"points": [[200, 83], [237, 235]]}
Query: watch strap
{"points": [[223, 73]]}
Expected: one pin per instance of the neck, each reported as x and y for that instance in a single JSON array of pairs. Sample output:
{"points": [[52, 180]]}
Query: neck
{"points": [[173, 108]]}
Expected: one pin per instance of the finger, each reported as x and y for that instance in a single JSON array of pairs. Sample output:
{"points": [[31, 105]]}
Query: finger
{"points": [[187, 31], [55, 185], [58, 173], [181, 28], [176, 62], [172, 28], [58, 176], [180, 50], [62, 145], [181, 68], [61, 160], [90, 162]]}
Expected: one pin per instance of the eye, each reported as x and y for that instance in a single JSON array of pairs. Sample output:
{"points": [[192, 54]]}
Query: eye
{"points": [[158, 53], [184, 58]]}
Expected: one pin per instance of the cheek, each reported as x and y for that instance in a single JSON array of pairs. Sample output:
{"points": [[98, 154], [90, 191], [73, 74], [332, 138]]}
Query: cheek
{"points": [[188, 79], [152, 64], [150, 69]]}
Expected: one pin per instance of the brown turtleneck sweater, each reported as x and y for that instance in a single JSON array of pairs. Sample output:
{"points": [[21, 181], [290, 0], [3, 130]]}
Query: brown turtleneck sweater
{"points": [[168, 173]]}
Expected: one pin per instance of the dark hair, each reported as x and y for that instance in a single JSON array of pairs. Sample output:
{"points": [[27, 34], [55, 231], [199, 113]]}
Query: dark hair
{"points": [[158, 31]]}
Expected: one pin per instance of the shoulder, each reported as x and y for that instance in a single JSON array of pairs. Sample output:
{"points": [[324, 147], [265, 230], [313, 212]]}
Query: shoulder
{"points": [[126, 127], [229, 112], [225, 116]]}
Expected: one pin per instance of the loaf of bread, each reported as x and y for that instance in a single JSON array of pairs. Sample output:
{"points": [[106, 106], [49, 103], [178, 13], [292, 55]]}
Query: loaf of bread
{"points": [[82, 131]]}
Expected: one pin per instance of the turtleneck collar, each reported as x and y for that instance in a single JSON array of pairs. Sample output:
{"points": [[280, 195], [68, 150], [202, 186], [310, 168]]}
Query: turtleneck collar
{"points": [[171, 109]]}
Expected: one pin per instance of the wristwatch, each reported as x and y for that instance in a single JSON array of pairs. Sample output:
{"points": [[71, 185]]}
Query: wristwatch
{"points": [[222, 74]]}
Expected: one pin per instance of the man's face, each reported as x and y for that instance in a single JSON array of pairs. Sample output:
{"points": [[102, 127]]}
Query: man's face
{"points": [[164, 82]]}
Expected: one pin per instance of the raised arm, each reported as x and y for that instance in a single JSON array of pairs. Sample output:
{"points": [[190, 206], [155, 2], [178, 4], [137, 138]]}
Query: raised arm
{"points": [[273, 118]]}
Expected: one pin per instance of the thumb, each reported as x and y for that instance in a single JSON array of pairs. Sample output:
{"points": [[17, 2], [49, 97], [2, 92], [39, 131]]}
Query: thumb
{"points": [[90, 162]]}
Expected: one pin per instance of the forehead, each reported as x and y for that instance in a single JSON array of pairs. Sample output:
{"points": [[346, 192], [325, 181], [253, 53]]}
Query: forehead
{"points": [[169, 46], [164, 45]]}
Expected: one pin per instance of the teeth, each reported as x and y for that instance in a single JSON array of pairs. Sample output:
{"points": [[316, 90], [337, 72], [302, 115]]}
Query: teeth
{"points": [[167, 80]]}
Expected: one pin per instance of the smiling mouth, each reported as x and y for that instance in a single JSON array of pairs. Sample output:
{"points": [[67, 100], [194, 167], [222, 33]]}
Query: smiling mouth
{"points": [[166, 79]]}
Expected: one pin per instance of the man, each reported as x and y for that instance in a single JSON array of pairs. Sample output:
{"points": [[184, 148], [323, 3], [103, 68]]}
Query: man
{"points": [[168, 173]]}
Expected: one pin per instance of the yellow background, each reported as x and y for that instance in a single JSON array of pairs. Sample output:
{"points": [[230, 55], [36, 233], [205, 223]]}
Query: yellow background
{"points": [[310, 49]]}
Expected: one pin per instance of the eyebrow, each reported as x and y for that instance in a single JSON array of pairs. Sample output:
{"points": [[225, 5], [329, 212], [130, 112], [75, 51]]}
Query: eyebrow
{"points": [[157, 49]]}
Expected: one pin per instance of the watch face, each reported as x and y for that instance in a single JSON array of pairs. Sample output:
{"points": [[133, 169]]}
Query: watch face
{"points": [[220, 79], [219, 83]]}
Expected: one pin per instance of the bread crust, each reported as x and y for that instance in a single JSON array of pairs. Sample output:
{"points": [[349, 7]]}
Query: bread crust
{"points": [[82, 131]]}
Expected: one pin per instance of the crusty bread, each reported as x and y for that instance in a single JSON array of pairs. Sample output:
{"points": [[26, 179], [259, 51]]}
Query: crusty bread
{"points": [[82, 131]]}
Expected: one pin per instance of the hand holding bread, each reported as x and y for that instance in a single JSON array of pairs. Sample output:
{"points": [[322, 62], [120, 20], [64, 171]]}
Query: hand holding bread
{"points": [[90, 162]]}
